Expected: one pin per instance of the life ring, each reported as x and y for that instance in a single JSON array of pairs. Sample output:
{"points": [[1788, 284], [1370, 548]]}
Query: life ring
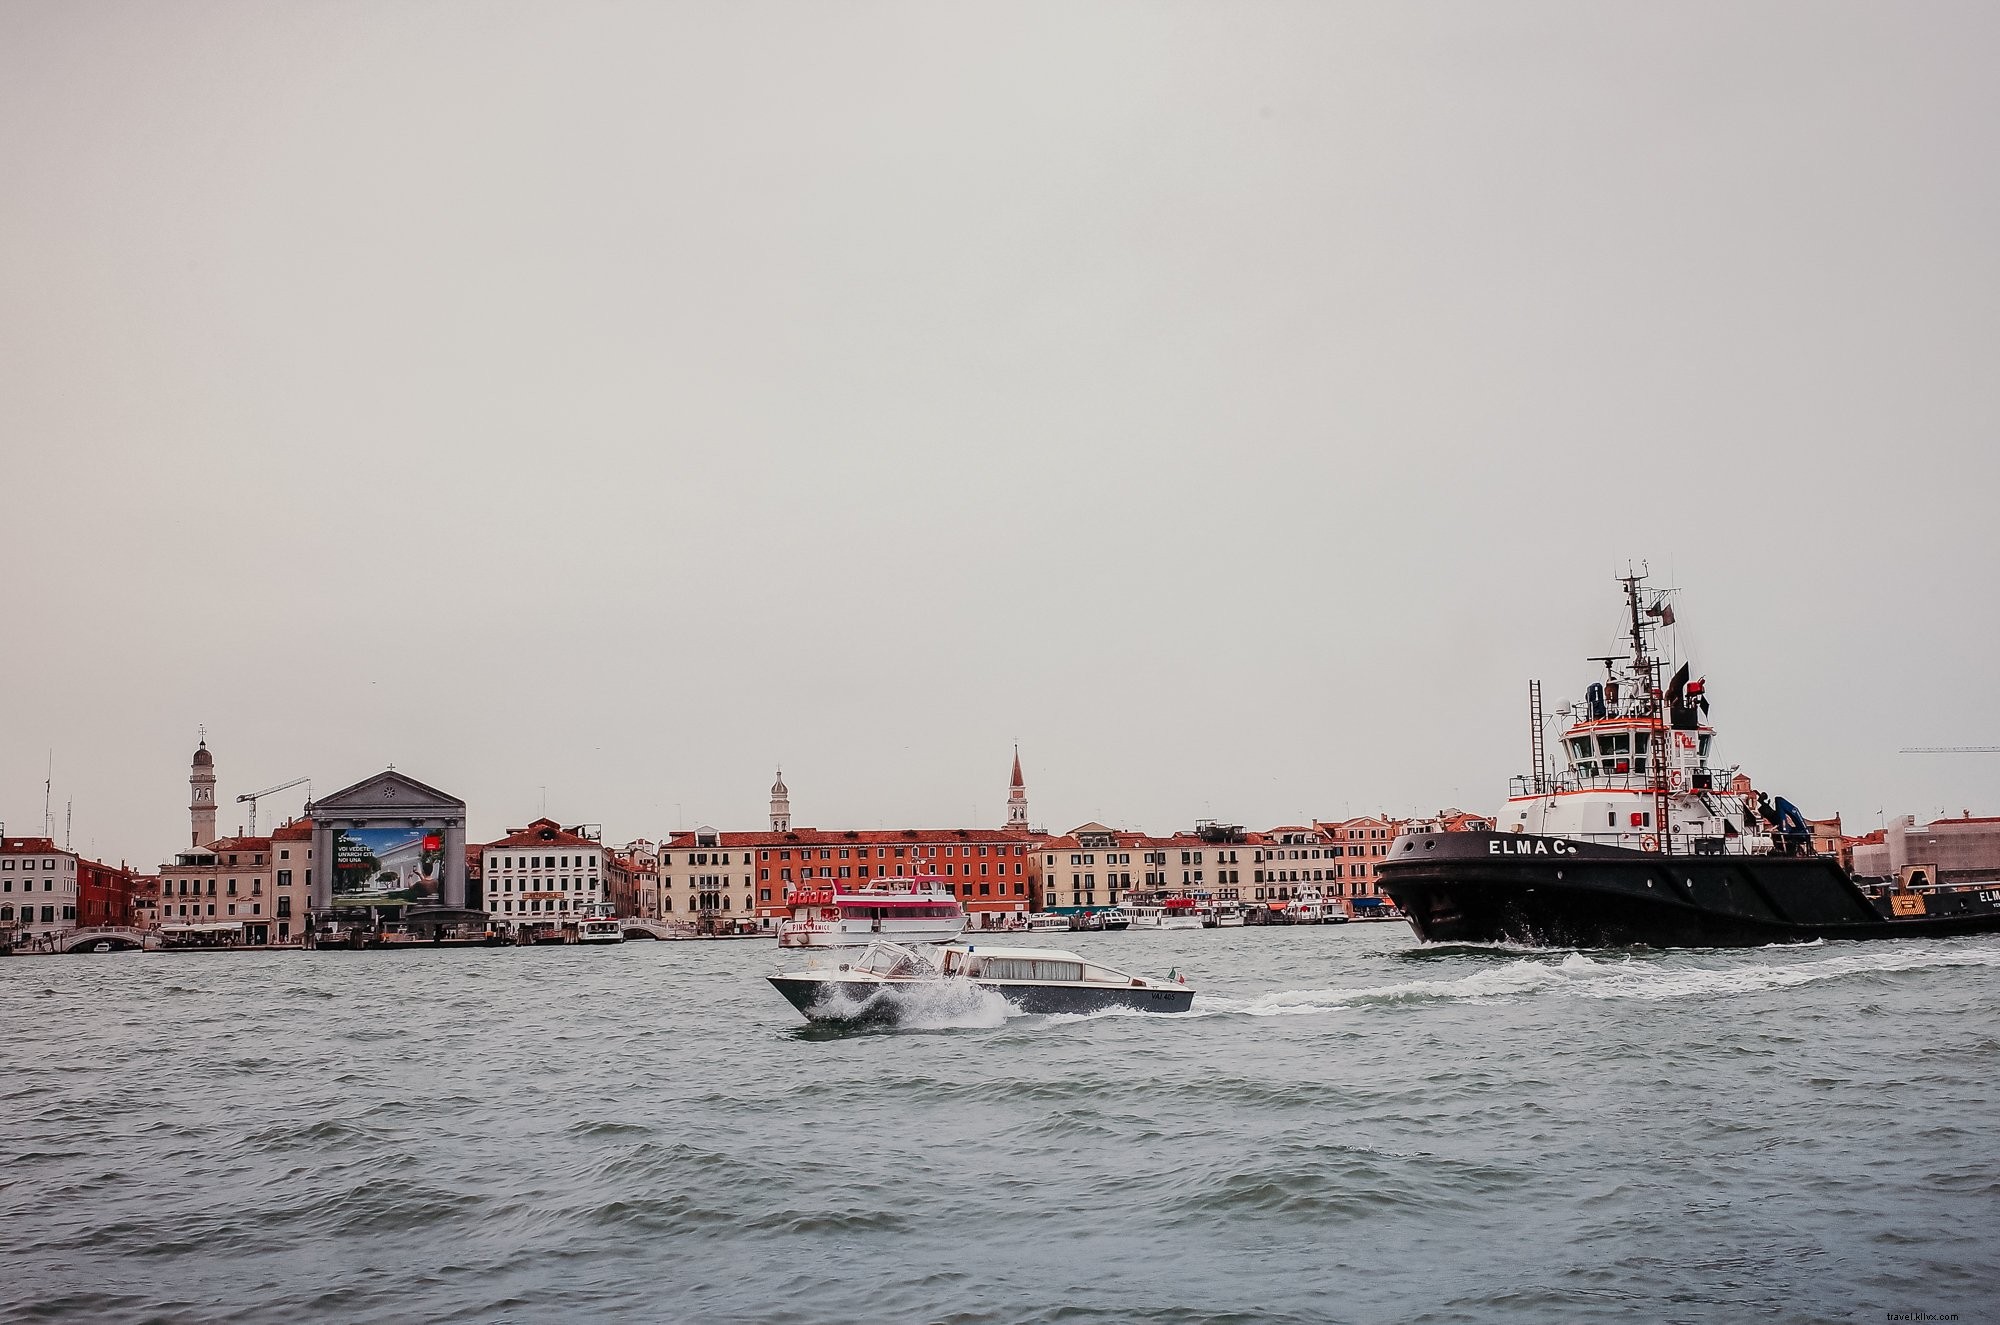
{"points": [[1677, 779], [1649, 843]]}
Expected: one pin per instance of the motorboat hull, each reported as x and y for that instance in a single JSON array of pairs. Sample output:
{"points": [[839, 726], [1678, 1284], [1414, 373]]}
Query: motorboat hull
{"points": [[862, 1002], [1553, 892]]}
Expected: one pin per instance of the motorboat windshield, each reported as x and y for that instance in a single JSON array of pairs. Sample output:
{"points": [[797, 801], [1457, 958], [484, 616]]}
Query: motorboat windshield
{"points": [[891, 961]]}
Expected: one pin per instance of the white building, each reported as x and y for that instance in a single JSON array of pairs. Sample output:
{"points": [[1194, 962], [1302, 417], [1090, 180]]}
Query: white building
{"points": [[542, 876], [37, 888]]}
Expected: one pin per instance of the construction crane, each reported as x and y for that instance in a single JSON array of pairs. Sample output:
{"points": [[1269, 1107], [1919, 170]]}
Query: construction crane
{"points": [[1950, 750], [268, 791]]}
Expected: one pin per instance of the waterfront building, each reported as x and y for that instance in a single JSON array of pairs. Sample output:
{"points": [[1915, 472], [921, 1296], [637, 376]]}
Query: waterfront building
{"points": [[106, 894], [38, 888], [542, 875], [1093, 866], [146, 901], [713, 877], [749, 876], [1359, 847], [291, 879], [1295, 856], [1829, 840], [1961, 850], [632, 879], [224, 888]]}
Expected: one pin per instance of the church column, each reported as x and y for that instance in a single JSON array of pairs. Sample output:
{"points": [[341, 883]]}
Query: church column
{"points": [[452, 876], [320, 895]]}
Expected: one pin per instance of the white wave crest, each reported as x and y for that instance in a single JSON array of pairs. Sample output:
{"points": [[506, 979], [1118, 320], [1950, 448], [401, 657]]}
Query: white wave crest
{"points": [[1576, 975]]}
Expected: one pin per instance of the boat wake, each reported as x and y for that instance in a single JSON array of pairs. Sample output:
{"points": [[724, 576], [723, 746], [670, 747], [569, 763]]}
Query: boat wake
{"points": [[1578, 976]]}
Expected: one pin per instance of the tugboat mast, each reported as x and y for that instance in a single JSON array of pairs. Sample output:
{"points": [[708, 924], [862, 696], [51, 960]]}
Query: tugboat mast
{"points": [[1654, 710]]}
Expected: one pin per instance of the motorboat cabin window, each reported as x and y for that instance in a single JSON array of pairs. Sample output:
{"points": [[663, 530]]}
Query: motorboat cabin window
{"points": [[1026, 968]]}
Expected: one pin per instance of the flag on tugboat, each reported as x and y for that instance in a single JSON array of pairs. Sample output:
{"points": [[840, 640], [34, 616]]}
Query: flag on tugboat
{"points": [[1664, 610]]}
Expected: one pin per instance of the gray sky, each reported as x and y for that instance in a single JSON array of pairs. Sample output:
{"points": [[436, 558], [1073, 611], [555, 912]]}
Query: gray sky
{"points": [[1235, 403]]}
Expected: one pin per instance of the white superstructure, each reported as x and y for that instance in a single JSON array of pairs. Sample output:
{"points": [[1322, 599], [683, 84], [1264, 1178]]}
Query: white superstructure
{"points": [[1635, 757]]}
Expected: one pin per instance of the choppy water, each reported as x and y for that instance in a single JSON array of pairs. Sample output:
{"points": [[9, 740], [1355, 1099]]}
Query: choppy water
{"points": [[1346, 1128]]}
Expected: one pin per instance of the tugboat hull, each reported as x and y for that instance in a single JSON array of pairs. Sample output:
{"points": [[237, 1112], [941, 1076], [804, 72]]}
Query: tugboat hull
{"points": [[1553, 892]]}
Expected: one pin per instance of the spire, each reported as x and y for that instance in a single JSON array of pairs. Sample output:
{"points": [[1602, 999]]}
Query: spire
{"points": [[781, 805], [1017, 795]]}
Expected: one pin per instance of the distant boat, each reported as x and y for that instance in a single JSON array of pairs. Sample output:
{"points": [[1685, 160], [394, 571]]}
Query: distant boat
{"points": [[831, 913], [1175, 912], [1044, 922]]}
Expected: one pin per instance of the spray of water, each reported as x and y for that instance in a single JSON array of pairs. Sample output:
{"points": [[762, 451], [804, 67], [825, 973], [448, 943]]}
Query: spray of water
{"points": [[926, 1005]]}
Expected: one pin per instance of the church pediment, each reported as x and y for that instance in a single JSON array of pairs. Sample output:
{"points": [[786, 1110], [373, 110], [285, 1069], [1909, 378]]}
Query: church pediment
{"points": [[388, 793]]}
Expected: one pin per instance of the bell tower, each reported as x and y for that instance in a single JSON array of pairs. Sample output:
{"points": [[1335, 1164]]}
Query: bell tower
{"points": [[1017, 795], [201, 800], [781, 805]]}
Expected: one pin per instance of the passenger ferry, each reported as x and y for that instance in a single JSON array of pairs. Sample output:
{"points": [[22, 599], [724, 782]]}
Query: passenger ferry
{"points": [[829, 913], [1173, 912], [1641, 838], [888, 981], [598, 925], [1043, 922]]}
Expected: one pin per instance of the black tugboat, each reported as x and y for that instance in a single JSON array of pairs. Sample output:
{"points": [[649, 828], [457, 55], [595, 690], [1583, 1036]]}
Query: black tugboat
{"points": [[1640, 840]]}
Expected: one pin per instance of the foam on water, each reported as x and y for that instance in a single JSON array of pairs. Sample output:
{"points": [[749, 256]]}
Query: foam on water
{"points": [[1578, 975], [931, 1006]]}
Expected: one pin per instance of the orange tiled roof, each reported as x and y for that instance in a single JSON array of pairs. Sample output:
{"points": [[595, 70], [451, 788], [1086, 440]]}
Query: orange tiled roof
{"points": [[543, 833]]}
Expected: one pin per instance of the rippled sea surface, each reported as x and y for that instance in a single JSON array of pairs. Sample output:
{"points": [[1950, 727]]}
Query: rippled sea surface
{"points": [[1347, 1127]]}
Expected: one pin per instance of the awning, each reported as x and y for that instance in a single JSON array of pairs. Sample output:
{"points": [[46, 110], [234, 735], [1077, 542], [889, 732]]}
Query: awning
{"points": [[217, 927], [1367, 901]]}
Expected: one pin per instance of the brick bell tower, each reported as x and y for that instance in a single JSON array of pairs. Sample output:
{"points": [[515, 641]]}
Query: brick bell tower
{"points": [[201, 799], [1017, 795]]}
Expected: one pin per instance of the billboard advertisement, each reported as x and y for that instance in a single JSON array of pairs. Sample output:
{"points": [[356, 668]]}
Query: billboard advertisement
{"points": [[389, 864]]}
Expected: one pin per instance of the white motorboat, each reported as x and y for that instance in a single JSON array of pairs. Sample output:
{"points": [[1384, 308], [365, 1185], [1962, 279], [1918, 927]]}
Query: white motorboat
{"points": [[1044, 922], [887, 981], [1167, 913]]}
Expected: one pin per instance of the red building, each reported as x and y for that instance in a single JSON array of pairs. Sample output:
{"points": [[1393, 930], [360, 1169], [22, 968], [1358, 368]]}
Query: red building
{"points": [[750, 875], [108, 894]]}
